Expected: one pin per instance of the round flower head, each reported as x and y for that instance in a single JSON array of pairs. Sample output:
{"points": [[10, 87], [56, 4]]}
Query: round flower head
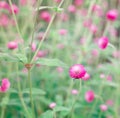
{"points": [[72, 9], [103, 42], [74, 92], [103, 107], [52, 105], [112, 15], [45, 15], [12, 45], [77, 71], [14, 8], [86, 77], [89, 96], [5, 85]]}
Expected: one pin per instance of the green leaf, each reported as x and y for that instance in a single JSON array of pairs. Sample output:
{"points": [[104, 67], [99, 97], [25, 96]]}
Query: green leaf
{"points": [[35, 91], [51, 62], [61, 108], [8, 57], [21, 58], [47, 114]]}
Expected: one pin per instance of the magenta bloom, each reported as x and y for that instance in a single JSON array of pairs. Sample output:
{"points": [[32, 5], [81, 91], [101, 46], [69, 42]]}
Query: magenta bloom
{"points": [[14, 8], [12, 45], [52, 105], [89, 96], [77, 71], [103, 42], [5, 85], [78, 2], [72, 9], [45, 15], [103, 107], [86, 77], [4, 5], [112, 15]]}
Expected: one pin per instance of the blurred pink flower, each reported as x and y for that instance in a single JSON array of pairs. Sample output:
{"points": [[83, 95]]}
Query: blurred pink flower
{"points": [[5, 85], [23, 2], [58, 1], [45, 15], [72, 9], [14, 8], [64, 17], [103, 43], [52, 105], [103, 107], [102, 76], [95, 53], [33, 47], [42, 53], [12, 45], [4, 20], [78, 2], [59, 69], [86, 77], [60, 46], [63, 32], [4, 5], [89, 96], [109, 102], [77, 71], [93, 28], [74, 91], [112, 15]]}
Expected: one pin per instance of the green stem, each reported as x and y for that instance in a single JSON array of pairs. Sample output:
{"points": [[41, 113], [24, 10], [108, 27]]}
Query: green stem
{"points": [[46, 32], [21, 97], [17, 27], [30, 89]]}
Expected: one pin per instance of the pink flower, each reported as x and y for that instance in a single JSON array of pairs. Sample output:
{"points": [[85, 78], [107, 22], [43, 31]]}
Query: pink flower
{"points": [[109, 78], [78, 2], [23, 2], [41, 53], [64, 17], [97, 9], [52, 105], [59, 69], [112, 15], [12, 45], [33, 47], [4, 5], [110, 102], [95, 53], [103, 107], [93, 28], [62, 31], [14, 8], [86, 77], [74, 92], [58, 1], [72, 9], [4, 20], [77, 71], [89, 96], [102, 76], [61, 46], [45, 15], [5, 85], [103, 42]]}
